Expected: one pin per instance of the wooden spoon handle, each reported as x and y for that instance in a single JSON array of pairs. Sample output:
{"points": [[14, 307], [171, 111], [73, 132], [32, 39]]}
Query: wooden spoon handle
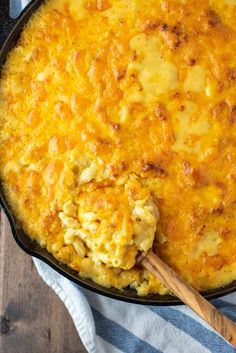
{"points": [[191, 297]]}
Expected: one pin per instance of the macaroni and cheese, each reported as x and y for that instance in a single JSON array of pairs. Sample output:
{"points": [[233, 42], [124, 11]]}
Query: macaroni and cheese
{"points": [[118, 134]]}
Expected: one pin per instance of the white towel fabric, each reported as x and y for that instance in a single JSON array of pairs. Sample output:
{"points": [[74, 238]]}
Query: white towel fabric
{"points": [[16, 7], [109, 326]]}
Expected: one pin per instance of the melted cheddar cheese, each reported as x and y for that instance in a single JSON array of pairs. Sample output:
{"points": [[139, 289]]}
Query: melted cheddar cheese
{"points": [[118, 133]]}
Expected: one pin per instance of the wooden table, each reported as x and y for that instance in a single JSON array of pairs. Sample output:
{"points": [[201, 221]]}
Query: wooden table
{"points": [[32, 317]]}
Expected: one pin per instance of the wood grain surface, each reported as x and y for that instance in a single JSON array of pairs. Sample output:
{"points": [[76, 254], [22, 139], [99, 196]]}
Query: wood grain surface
{"points": [[32, 317]]}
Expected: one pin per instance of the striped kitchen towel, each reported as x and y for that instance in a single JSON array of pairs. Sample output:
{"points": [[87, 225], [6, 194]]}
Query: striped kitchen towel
{"points": [[109, 326], [16, 7]]}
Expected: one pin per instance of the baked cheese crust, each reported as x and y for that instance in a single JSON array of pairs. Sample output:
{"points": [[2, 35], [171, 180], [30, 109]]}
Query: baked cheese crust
{"points": [[118, 133]]}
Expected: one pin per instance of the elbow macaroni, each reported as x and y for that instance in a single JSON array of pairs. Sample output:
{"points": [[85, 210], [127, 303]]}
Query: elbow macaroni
{"points": [[113, 236]]}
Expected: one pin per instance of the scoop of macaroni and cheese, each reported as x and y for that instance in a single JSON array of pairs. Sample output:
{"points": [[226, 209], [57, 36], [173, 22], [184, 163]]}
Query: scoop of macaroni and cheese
{"points": [[111, 224]]}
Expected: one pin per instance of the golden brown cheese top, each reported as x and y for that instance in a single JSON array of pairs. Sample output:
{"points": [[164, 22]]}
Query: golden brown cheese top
{"points": [[111, 110]]}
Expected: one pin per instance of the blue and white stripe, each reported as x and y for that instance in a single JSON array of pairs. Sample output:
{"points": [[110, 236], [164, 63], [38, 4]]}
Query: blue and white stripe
{"points": [[16, 7], [109, 326]]}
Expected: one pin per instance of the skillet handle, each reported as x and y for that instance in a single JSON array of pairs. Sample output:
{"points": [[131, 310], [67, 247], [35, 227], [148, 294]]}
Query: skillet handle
{"points": [[6, 23]]}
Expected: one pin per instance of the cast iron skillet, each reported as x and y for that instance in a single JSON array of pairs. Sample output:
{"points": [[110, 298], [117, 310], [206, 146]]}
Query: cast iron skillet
{"points": [[33, 249]]}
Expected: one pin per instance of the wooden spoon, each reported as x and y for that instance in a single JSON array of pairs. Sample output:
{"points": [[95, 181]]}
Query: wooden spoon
{"points": [[223, 325]]}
